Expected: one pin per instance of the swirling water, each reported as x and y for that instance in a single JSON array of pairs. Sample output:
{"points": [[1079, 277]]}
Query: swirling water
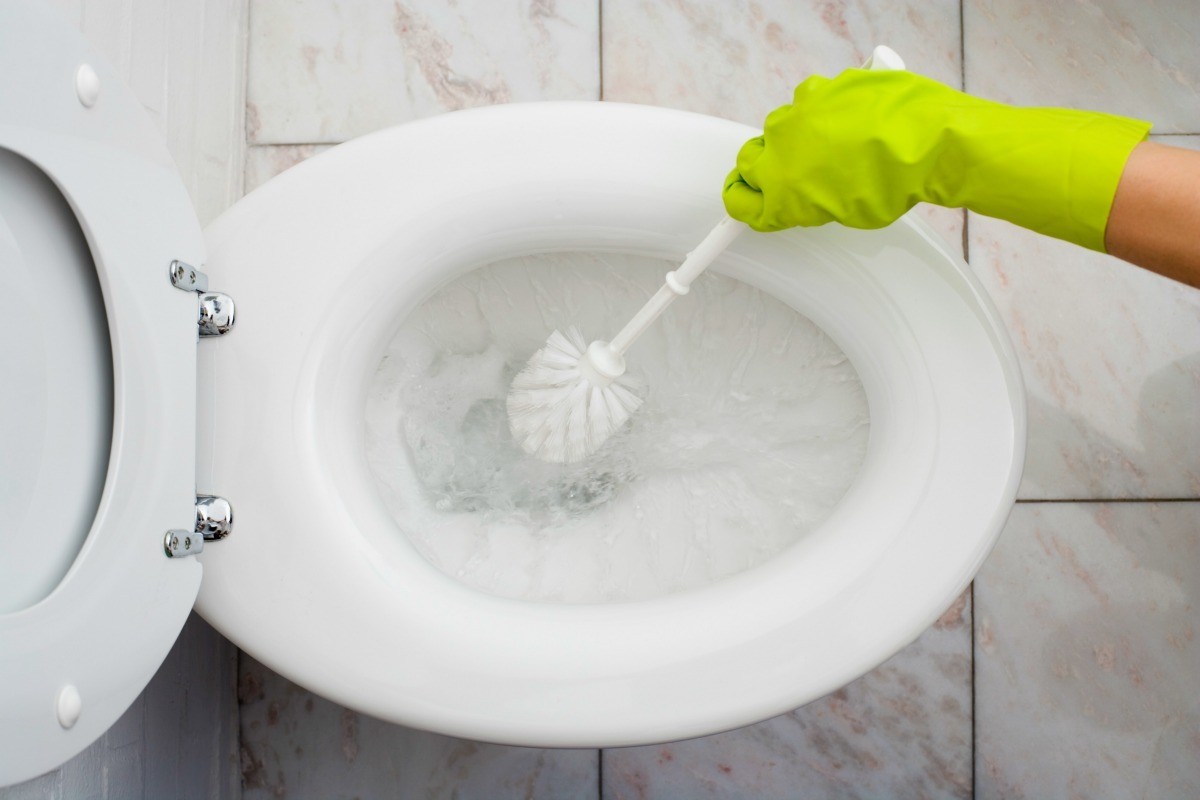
{"points": [[754, 426]]}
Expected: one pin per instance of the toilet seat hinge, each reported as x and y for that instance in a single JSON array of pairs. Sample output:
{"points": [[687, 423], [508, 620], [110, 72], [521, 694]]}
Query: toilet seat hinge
{"points": [[186, 277], [216, 309], [214, 517], [214, 521]]}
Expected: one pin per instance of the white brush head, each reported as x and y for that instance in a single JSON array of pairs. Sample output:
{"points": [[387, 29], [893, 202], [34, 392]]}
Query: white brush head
{"points": [[569, 399]]}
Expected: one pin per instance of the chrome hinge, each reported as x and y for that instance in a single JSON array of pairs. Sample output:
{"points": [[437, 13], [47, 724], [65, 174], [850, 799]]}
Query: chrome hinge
{"points": [[214, 517], [216, 309], [182, 543], [214, 521]]}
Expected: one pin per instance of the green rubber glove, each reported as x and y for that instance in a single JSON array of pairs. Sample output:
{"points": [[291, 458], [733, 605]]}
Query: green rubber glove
{"points": [[865, 147]]}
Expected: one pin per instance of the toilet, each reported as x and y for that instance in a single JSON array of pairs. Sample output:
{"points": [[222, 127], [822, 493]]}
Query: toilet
{"points": [[227, 472]]}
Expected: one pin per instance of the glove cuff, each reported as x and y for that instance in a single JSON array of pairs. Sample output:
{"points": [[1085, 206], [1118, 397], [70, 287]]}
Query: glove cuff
{"points": [[1097, 162], [1051, 170]]}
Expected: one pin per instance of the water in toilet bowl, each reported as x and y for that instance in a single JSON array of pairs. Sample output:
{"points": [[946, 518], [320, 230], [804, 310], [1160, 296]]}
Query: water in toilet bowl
{"points": [[754, 426]]}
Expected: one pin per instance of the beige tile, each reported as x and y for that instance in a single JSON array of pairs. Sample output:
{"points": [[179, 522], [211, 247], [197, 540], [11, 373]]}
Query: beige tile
{"points": [[697, 56], [264, 162], [330, 70], [1122, 56], [298, 745], [707, 57], [902, 730], [1087, 654]]}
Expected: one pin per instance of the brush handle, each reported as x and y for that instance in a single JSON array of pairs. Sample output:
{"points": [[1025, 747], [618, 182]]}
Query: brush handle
{"points": [[884, 58], [678, 282]]}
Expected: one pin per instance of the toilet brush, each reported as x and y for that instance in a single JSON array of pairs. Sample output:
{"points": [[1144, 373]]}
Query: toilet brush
{"points": [[571, 397]]}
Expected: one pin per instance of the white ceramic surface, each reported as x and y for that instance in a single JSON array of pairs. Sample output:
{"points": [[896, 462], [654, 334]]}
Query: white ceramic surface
{"points": [[320, 586], [104, 630]]}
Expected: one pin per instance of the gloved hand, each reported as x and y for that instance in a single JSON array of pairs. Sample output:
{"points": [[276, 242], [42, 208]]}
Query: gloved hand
{"points": [[865, 147]]}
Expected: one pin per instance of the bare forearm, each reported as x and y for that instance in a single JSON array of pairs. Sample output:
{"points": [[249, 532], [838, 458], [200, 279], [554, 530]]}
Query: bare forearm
{"points": [[1155, 217]]}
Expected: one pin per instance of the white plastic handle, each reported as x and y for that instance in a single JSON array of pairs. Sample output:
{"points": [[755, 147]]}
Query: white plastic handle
{"points": [[680, 280], [884, 57], [705, 253]]}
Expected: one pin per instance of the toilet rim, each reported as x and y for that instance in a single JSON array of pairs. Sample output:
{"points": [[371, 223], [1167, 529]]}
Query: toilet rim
{"points": [[560, 684]]}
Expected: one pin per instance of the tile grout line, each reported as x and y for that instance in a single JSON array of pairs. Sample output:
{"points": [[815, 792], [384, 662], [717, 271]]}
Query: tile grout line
{"points": [[966, 250], [246, 144], [962, 79], [974, 726], [962, 47], [600, 97], [252, 145], [246, 94], [238, 774], [1109, 500], [600, 47]]}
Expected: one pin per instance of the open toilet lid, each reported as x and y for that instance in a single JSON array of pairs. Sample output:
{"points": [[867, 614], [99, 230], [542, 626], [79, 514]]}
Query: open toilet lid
{"points": [[72, 662]]}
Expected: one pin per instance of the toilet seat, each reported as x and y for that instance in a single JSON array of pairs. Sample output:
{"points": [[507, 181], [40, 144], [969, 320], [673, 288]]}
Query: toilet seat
{"points": [[318, 583], [73, 662]]}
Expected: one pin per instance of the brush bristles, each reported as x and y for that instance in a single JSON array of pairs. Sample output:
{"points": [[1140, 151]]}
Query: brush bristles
{"points": [[556, 413]]}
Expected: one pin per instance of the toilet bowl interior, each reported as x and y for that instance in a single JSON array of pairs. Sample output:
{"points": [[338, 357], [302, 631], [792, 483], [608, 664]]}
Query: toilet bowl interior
{"points": [[753, 427], [825, 284]]}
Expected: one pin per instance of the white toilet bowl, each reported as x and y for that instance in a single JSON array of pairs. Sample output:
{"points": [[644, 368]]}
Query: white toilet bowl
{"points": [[317, 582]]}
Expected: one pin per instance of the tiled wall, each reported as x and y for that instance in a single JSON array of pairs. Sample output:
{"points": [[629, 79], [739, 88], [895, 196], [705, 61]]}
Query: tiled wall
{"points": [[1072, 667]]}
